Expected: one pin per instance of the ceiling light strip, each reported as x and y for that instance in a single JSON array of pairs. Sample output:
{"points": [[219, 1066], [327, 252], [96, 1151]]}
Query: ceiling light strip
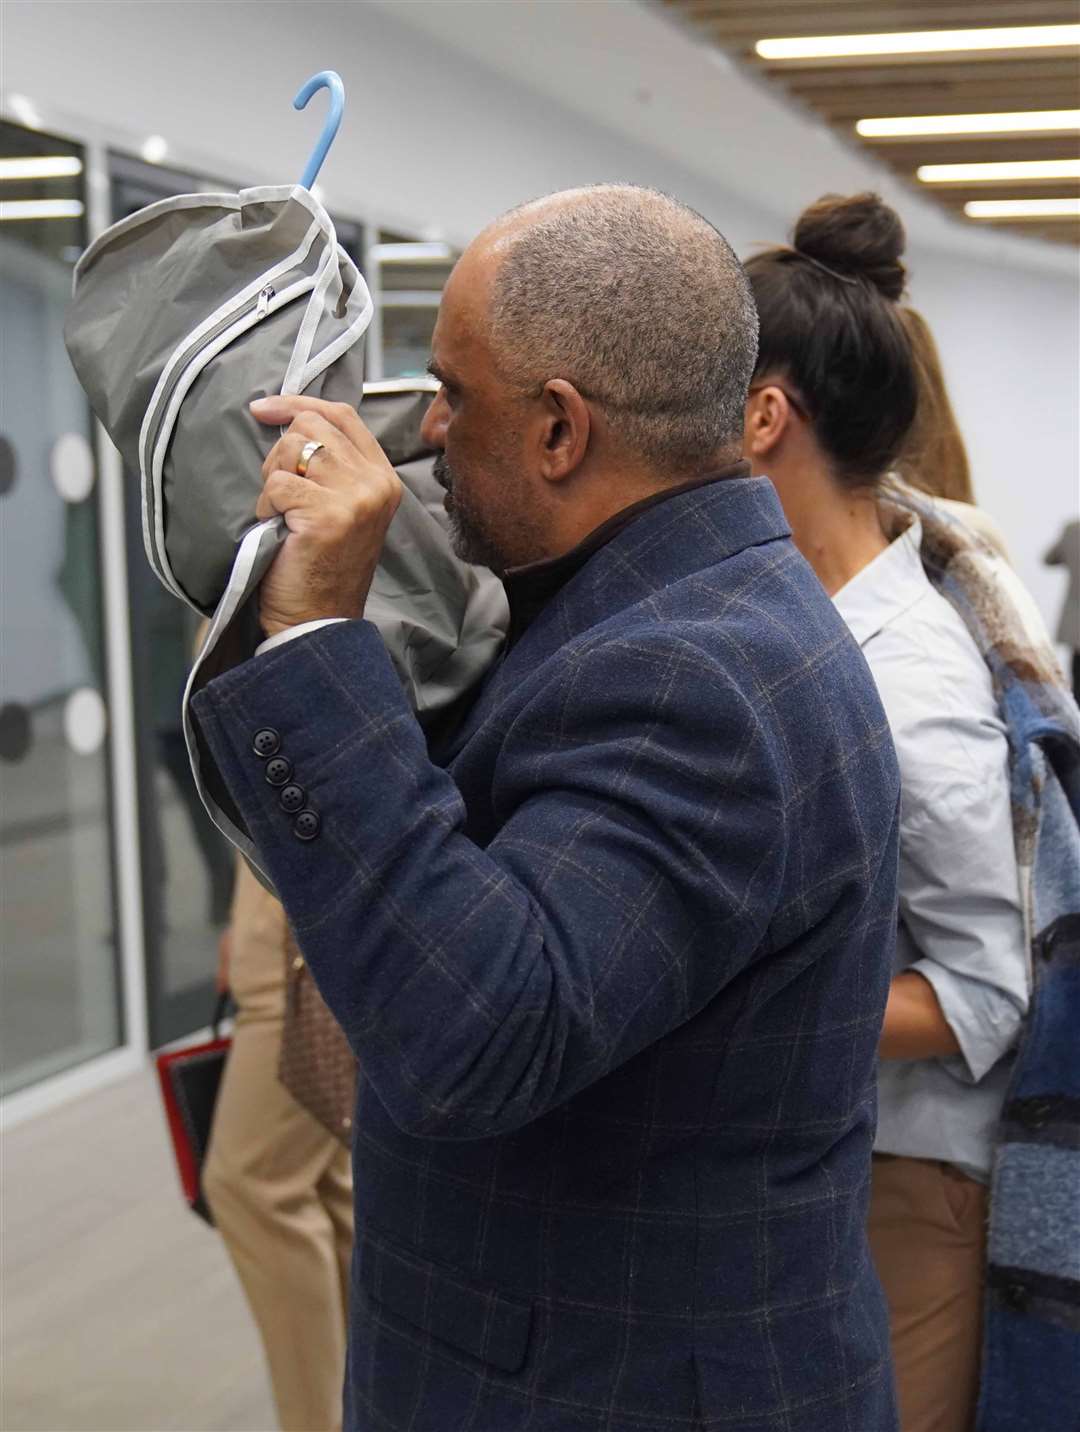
{"points": [[422, 251], [1023, 209], [919, 42], [1032, 169], [1034, 121], [41, 166], [40, 209]]}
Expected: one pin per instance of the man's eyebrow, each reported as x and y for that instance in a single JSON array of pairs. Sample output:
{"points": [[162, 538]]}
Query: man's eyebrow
{"points": [[436, 372]]}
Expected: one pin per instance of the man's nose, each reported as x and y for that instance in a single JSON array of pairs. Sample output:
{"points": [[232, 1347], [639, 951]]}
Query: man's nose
{"points": [[433, 428]]}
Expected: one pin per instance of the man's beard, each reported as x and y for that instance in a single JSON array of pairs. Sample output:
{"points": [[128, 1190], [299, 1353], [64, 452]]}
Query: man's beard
{"points": [[470, 536]]}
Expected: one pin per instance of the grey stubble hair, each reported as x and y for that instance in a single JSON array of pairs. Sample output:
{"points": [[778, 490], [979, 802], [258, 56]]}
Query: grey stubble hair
{"points": [[640, 303]]}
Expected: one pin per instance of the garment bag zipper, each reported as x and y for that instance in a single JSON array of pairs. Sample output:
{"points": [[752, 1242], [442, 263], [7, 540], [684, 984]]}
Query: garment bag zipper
{"points": [[254, 310], [187, 367]]}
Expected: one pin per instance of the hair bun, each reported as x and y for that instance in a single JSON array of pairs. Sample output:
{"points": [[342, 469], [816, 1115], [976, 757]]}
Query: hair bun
{"points": [[859, 236]]}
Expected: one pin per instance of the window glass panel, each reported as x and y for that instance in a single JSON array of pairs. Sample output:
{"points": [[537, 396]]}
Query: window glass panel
{"points": [[411, 275], [411, 265], [59, 986], [407, 340]]}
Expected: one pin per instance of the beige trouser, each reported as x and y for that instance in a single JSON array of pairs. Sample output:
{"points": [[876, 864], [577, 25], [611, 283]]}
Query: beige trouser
{"points": [[279, 1185], [928, 1239]]}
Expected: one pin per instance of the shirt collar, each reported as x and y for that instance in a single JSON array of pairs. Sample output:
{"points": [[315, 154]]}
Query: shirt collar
{"points": [[530, 588], [886, 587]]}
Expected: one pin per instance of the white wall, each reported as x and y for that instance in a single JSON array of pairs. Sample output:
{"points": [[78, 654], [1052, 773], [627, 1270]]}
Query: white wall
{"points": [[430, 137], [1010, 342], [434, 140]]}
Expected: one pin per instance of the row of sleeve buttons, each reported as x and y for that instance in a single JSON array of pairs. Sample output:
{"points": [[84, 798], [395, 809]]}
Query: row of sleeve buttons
{"points": [[266, 743]]}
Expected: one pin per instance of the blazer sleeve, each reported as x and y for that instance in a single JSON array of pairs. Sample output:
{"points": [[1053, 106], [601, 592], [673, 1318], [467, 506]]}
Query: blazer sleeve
{"points": [[637, 862]]}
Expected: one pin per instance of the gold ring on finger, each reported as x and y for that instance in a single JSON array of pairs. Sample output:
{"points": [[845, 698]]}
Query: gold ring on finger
{"points": [[307, 452]]}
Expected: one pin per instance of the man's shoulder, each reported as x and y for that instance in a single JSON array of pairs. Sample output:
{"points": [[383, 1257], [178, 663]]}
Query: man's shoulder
{"points": [[758, 644], [740, 640], [759, 619]]}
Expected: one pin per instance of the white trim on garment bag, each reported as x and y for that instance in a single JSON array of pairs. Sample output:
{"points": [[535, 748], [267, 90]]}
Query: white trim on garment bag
{"points": [[309, 324], [345, 340], [238, 589], [272, 193]]}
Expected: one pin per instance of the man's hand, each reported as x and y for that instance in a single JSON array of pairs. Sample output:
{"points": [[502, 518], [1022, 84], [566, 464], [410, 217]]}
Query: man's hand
{"points": [[337, 515]]}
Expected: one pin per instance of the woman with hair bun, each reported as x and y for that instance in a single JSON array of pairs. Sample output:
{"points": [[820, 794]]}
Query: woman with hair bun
{"points": [[831, 407]]}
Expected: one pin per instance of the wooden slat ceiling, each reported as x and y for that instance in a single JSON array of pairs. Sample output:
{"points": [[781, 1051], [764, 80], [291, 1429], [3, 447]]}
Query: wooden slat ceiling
{"points": [[843, 91]]}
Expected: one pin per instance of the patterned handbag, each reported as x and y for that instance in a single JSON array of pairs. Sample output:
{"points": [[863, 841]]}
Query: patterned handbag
{"points": [[317, 1065]]}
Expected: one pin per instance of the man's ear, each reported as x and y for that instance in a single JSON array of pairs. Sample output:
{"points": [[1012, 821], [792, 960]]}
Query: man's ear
{"points": [[768, 413], [564, 432]]}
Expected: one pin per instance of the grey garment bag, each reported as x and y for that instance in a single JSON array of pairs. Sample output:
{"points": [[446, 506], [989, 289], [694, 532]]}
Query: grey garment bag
{"points": [[180, 316]]}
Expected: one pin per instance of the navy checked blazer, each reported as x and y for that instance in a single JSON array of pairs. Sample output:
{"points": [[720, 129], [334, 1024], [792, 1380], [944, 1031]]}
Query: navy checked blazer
{"points": [[615, 975]]}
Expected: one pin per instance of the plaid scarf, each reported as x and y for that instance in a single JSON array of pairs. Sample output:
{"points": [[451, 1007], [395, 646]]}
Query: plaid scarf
{"points": [[1031, 1336]]}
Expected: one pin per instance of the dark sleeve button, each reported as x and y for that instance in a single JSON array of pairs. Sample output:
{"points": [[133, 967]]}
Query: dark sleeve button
{"points": [[266, 742], [278, 771], [292, 799], [306, 825]]}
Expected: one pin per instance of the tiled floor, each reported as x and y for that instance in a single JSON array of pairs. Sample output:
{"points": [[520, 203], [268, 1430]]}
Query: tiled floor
{"points": [[120, 1311]]}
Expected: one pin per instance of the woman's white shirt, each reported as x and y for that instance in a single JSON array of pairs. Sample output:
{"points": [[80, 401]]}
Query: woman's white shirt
{"points": [[961, 921]]}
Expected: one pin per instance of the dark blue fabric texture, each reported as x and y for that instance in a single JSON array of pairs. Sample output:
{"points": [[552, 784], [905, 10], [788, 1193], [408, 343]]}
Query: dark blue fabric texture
{"points": [[615, 973]]}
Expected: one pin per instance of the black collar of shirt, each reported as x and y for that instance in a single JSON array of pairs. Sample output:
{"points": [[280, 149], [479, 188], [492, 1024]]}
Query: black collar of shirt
{"points": [[530, 588]]}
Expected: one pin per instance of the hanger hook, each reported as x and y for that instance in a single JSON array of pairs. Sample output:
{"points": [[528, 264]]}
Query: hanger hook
{"points": [[329, 80]]}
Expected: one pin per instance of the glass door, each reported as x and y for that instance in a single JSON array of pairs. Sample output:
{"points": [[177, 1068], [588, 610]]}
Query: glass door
{"points": [[59, 975]]}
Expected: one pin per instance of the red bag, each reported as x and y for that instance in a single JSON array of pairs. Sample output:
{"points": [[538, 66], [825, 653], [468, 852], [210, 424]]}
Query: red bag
{"points": [[190, 1079]]}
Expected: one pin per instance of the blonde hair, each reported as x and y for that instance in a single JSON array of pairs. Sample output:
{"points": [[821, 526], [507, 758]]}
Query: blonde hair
{"points": [[934, 458]]}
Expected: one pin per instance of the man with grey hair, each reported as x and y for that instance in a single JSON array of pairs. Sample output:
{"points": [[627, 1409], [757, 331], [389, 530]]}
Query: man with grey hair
{"points": [[637, 304], [613, 958]]}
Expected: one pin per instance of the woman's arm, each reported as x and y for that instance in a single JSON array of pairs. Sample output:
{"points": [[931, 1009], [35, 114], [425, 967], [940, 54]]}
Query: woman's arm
{"points": [[915, 1024], [963, 996]]}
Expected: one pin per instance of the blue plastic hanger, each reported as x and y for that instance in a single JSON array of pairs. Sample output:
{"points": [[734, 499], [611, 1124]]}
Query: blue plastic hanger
{"points": [[329, 80]]}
